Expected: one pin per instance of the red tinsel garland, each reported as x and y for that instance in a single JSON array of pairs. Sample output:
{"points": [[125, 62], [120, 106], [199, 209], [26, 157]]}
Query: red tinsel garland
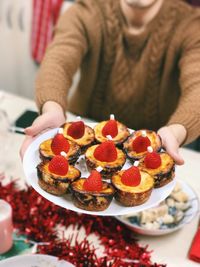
{"points": [[36, 217]]}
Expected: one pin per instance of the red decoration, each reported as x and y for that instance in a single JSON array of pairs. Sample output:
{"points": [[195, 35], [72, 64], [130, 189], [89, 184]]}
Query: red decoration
{"points": [[59, 165], [44, 17], [140, 144], [93, 182], [152, 160], [106, 152], [36, 217], [76, 130], [110, 128], [59, 144], [131, 176]]}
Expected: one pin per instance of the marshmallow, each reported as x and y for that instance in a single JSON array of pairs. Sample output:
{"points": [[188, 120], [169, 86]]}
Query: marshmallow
{"points": [[109, 137], [99, 169], [60, 130], [112, 116], [136, 163], [144, 133], [149, 149], [63, 153]]}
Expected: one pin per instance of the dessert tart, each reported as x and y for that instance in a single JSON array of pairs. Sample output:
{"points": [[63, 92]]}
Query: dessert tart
{"points": [[92, 193], [78, 132], [107, 156], [136, 145], [132, 186], [54, 146], [160, 165], [56, 175], [118, 131]]}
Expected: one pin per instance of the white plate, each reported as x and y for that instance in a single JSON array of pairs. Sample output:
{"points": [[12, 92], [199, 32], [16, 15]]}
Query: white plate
{"points": [[36, 260], [31, 160], [189, 215]]}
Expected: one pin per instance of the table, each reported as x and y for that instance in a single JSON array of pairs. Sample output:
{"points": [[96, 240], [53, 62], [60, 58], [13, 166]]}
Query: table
{"points": [[171, 249]]}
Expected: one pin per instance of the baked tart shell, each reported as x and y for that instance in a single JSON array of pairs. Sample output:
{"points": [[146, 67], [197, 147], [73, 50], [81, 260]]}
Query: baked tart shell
{"points": [[118, 140], [56, 184], [46, 153], [155, 143], [164, 174], [130, 196], [91, 201], [108, 167], [84, 142]]}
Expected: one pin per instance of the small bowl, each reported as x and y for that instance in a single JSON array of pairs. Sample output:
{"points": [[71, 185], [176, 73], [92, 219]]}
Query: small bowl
{"points": [[189, 215]]}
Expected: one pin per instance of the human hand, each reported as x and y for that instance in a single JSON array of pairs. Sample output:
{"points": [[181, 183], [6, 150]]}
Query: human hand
{"points": [[52, 117], [172, 137]]}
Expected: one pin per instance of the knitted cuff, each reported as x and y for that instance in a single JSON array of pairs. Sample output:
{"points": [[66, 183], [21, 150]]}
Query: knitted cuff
{"points": [[41, 99]]}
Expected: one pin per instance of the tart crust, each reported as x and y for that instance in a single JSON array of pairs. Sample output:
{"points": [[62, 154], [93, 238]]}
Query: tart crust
{"points": [[47, 154], [85, 141], [118, 140], [132, 195], [165, 173], [53, 183], [91, 201], [108, 167], [155, 144]]}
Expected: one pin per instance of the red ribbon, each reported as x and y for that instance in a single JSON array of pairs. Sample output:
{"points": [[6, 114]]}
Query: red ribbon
{"points": [[44, 17]]}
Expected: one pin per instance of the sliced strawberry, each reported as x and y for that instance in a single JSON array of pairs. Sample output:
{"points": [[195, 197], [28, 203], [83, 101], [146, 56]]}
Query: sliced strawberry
{"points": [[106, 151], [59, 165], [93, 182], [59, 144], [131, 176], [152, 160], [140, 144], [76, 130], [110, 128]]}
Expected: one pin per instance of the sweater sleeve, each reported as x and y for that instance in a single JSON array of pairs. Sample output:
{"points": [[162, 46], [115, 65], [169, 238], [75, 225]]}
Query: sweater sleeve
{"points": [[187, 112], [63, 57]]}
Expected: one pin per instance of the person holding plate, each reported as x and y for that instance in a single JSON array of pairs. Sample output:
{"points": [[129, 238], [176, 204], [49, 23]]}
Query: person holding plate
{"points": [[139, 59]]}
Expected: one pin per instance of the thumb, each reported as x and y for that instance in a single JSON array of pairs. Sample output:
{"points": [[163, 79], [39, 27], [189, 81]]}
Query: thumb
{"points": [[175, 155], [39, 125], [171, 146], [29, 131]]}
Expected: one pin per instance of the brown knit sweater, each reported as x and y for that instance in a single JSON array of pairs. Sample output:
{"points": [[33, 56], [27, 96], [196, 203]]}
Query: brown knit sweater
{"points": [[146, 80]]}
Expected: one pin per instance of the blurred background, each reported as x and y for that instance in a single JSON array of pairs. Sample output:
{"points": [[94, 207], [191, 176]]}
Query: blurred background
{"points": [[18, 66]]}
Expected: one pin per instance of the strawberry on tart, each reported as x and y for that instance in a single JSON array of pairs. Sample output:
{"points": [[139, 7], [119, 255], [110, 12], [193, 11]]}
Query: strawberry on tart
{"points": [[118, 131], [92, 193], [160, 166], [54, 146], [136, 145], [107, 156], [133, 187], [80, 133], [56, 175]]}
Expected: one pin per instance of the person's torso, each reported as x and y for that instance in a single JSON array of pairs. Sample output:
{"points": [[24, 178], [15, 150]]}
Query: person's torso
{"points": [[137, 80]]}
